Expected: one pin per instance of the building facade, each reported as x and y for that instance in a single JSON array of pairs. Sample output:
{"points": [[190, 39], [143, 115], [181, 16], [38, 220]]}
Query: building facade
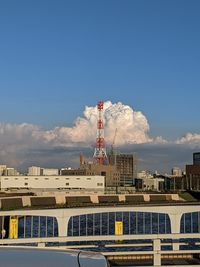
{"points": [[34, 170], [193, 173], [93, 183], [112, 176], [126, 164]]}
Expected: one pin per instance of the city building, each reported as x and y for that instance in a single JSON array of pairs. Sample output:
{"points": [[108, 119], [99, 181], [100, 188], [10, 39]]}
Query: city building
{"points": [[177, 172], [145, 181], [45, 171], [34, 170], [93, 184], [112, 176], [196, 158], [10, 172], [126, 164], [193, 173], [2, 169]]}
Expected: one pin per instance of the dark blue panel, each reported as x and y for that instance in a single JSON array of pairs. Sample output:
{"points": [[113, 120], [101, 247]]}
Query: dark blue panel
{"points": [[126, 223], [82, 225]]}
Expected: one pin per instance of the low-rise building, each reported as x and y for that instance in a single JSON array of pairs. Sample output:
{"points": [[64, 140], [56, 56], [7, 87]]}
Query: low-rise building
{"points": [[34, 170], [112, 176], [48, 171], [10, 172], [84, 183]]}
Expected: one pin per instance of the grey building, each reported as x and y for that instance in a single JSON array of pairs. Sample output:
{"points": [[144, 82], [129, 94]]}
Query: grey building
{"points": [[126, 164]]}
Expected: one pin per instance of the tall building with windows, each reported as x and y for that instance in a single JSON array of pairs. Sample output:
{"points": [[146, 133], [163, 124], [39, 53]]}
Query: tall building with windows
{"points": [[126, 164], [196, 158], [193, 173]]}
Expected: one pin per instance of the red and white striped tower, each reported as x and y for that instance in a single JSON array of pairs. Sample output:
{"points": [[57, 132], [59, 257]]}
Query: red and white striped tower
{"points": [[100, 156]]}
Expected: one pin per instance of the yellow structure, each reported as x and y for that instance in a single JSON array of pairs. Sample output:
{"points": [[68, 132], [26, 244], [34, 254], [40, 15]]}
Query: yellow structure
{"points": [[13, 230], [118, 228]]}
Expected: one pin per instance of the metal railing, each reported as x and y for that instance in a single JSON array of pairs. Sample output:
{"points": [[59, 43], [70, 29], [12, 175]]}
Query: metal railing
{"points": [[155, 246]]}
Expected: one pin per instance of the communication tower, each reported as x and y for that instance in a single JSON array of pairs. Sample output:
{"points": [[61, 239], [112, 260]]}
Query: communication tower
{"points": [[100, 156]]}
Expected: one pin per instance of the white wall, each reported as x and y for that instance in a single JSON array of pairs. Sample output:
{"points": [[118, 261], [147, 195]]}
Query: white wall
{"points": [[48, 182]]}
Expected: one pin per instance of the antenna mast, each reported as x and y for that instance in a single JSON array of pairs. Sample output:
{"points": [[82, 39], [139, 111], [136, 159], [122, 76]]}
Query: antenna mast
{"points": [[100, 155]]}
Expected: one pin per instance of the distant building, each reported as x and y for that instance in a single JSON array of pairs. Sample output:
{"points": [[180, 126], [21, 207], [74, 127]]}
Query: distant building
{"points": [[144, 174], [153, 184], [147, 182], [177, 172], [10, 172], [196, 158], [193, 173], [34, 170], [94, 183], [2, 169], [112, 176], [126, 164], [45, 171]]}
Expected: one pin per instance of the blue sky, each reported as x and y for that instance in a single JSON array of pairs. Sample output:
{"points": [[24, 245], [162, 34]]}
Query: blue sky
{"points": [[58, 56]]}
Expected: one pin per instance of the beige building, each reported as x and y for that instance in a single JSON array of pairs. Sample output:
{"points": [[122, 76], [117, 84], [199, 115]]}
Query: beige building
{"points": [[34, 170], [93, 183], [112, 176], [2, 169]]}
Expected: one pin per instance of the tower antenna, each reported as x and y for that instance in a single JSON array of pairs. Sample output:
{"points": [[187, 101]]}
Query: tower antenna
{"points": [[100, 156]]}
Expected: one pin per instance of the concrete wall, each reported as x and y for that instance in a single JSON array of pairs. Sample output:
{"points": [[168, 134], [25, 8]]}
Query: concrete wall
{"points": [[95, 183]]}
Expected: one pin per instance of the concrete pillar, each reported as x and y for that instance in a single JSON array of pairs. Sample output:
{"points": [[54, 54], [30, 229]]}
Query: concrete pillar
{"points": [[175, 220], [62, 226], [26, 200], [175, 227], [157, 252]]}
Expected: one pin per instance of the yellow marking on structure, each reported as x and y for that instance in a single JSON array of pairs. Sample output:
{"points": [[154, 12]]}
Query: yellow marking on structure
{"points": [[13, 229], [118, 228]]}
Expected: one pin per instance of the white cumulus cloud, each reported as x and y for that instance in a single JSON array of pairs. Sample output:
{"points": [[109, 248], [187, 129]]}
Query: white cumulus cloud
{"points": [[190, 139], [25, 144], [132, 127]]}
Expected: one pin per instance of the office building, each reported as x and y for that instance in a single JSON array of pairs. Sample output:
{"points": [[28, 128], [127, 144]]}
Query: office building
{"points": [[196, 158], [126, 164], [193, 173]]}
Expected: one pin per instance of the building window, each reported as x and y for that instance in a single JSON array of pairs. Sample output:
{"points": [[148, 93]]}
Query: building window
{"points": [[77, 178], [133, 223], [67, 178], [67, 183], [88, 178], [37, 226], [46, 178], [190, 223], [25, 183], [99, 184], [36, 178], [16, 178], [25, 178], [57, 178]]}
